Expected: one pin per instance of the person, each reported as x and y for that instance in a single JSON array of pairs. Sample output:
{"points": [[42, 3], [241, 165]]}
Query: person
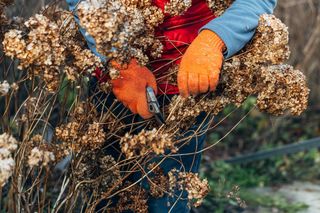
{"points": [[198, 42]]}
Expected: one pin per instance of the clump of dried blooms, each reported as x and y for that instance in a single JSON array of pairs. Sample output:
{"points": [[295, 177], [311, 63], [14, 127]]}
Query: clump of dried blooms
{"points": [[41, 49], [83, 131], [39, 157], [4, 88], [158, 182], [177, 7], [153, 16], [94, 137], [281, 89], [116, 27], [8, 146], [270, 45], [14, 44], [48, 46], [197, 189], [234, 195], [96, 173], [238, 81], [77, 136], [257, 70], [3, 18], [219, 6], [185, 110], [83, 61], [146, 142], [137, 3], [40, 152], [133, 199]]}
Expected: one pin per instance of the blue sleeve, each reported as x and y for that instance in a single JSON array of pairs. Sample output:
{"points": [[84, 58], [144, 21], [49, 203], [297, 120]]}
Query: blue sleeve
{"points": [[73, 4], [237, 25]]}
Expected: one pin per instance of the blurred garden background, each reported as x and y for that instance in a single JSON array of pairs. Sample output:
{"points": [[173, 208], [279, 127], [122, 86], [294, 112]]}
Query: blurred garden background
{"points": [[260, 184]]}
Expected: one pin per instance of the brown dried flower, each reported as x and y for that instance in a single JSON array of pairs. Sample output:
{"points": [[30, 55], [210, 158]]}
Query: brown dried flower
{"points": [[40, 157], [177, 7], [133, 199], [96, 173], [4, 88], [282, 88], [197, 189], [158, 182], [83, 131], [145, 142], [117, 25], [8, 146], [219, 6]]}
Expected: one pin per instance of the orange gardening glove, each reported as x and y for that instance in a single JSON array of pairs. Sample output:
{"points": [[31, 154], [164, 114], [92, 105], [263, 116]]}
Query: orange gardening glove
{"points": [[130, 87], [201, 64]]}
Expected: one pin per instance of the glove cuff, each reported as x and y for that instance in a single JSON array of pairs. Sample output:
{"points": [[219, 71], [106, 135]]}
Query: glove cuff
{"points": [[213, 39]]}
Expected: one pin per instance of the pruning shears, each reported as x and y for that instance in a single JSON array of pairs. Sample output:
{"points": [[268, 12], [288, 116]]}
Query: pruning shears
{"points": [[154, 106]]}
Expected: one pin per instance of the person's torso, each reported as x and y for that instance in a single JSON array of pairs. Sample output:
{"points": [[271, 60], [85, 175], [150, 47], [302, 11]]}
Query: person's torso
{"points": [[176, 33]]}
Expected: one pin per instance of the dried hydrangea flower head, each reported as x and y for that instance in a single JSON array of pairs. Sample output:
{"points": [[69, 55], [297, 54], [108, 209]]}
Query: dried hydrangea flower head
{"points": [[177, 7], [158, 181], [83, 131], [259, 70], [121, 28], [270, 44], [8, 146], [219, 6], [132, 199], [146, 142], [39, 152], [281, 88], [196, 188], [186, 110], [4, 88], [40, 157], [48, 46], [96, 173], [3, 18], [42, 49]]}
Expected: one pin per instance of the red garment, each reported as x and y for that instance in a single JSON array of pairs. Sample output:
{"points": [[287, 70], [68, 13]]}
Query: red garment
{"points": [[176, 33]]}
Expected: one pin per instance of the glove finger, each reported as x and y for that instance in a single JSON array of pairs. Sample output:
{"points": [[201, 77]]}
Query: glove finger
{"points": [[153, 83], [142, 108], [203, 83], [117, 66], [183, 83], [133, 107], [133, 63], [213, 81], [193, 83], [117, 83], [126, 98]]}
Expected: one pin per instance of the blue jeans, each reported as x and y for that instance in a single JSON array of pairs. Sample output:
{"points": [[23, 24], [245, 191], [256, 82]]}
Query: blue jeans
{"points": [[187, 158]]}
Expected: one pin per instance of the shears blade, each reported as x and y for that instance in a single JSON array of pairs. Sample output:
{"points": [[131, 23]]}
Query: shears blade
{"points": [[154, 106]]}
